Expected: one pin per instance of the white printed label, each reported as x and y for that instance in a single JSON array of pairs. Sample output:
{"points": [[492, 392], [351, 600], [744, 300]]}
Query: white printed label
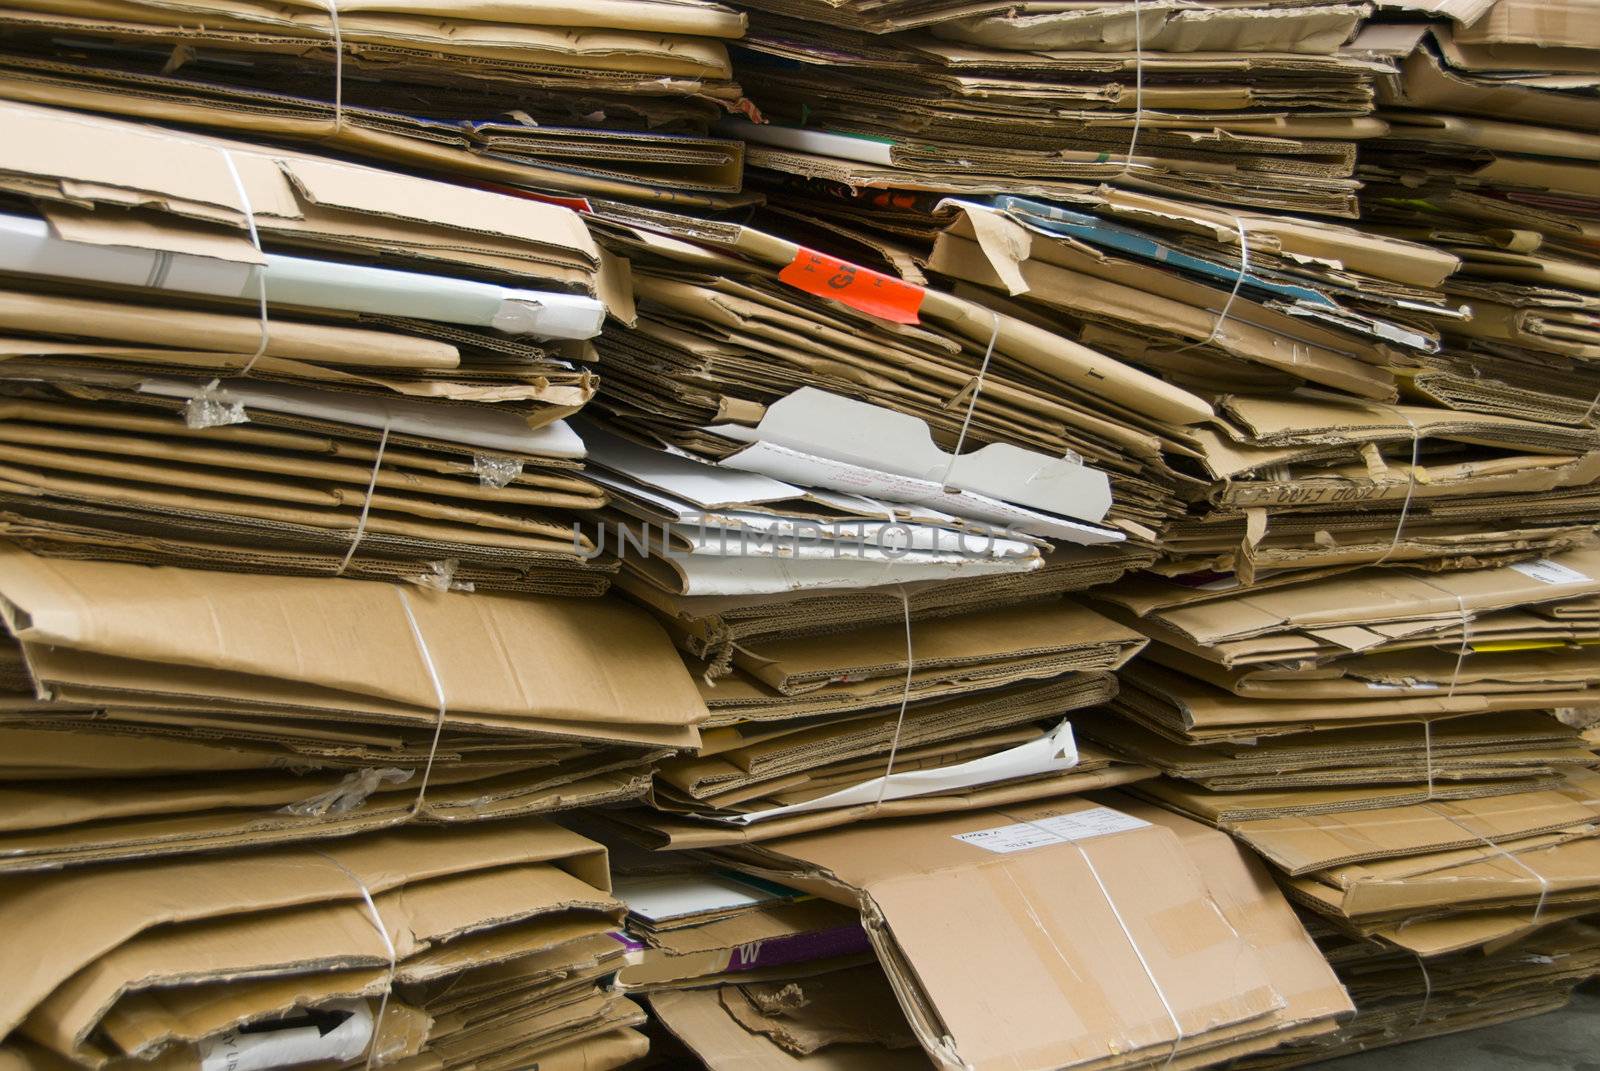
{"points": [[1546, 571], [1057, 829]]}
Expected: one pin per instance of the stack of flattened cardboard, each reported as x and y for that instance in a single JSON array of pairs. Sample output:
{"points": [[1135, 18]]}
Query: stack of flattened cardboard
{"points": [[728, 336], [875, 613], [1400, 998], [1113, 934], [1490, 155], [1366, 647], [692, 925], [238, 357], [1287, 332], [225, 831], [1249, 103], [344, 706], [1383, 738], [712, 628], [613, 98], [431, 949], [818, 731]]}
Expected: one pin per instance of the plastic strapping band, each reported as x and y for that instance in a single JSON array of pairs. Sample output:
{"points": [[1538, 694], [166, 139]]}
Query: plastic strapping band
{"points": [[366, 503], [1544, 882], [438, 691], [1233, 295], [338, 68], [1427, 990], [1455, 676], [1137, 951], [1138, 85], [389, 949], [257, 271], [1589, 412], [1466, 644], [1411, 487], [1427, 745], [972, 404], [905, 698]]}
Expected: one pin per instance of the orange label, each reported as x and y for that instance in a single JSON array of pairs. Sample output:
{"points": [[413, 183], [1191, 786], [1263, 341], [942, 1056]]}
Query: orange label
{"points": [[871, 292]]}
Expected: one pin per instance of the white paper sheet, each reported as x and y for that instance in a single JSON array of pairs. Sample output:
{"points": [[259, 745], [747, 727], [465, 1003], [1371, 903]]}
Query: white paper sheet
{"points": [[470, 426], [1054, 752]]}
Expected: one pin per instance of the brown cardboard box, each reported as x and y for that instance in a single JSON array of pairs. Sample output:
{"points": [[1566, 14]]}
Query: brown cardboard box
{"points": [[911, 877]]}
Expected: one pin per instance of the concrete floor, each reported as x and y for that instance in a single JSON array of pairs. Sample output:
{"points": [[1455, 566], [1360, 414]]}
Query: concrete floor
{"points": [[1567, 1040]]}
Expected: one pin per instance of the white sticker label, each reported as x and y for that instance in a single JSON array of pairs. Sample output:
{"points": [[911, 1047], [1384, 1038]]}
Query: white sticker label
{"points": [[1546, 571], [1057, 829]]}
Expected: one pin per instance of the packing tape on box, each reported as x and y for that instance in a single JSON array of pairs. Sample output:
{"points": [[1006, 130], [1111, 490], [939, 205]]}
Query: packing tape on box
{"points": [[1233, 295], [388, 943], [438, 691], [972, 405], [366, 503], [1544, 882]]}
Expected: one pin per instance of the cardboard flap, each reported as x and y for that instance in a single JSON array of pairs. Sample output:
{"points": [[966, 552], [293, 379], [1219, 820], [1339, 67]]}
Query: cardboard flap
{"points": [[818, 424], [70, 919], [487, 653], [1098, 934]]}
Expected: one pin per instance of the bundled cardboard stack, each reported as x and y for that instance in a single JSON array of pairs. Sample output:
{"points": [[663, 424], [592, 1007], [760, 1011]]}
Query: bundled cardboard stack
{"points": [[820, 731], [1361, 648], [611, 99], [1249, 103], [385, 401], [480, 948], [1028, 299], [248, 803], [1082, 959], [1401, 998], [352, 706], [1490, 155]]}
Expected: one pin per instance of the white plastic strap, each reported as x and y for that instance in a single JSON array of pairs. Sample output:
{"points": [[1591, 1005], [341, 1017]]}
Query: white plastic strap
{"points": [[972, 403], [1427, 745], [1544, 882], [389, 949], [905, 699], [1138, 85], [438, 691], [1233, 295], [338, 67], [1427, 990], [1411, 487], [1589, 412], [366, 503], [1455, 676], [1466, 645], [1116, 913], [257, 271]]}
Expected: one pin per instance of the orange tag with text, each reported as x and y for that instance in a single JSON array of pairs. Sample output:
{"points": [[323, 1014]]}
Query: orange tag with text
{"points": [[869, 291]]}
